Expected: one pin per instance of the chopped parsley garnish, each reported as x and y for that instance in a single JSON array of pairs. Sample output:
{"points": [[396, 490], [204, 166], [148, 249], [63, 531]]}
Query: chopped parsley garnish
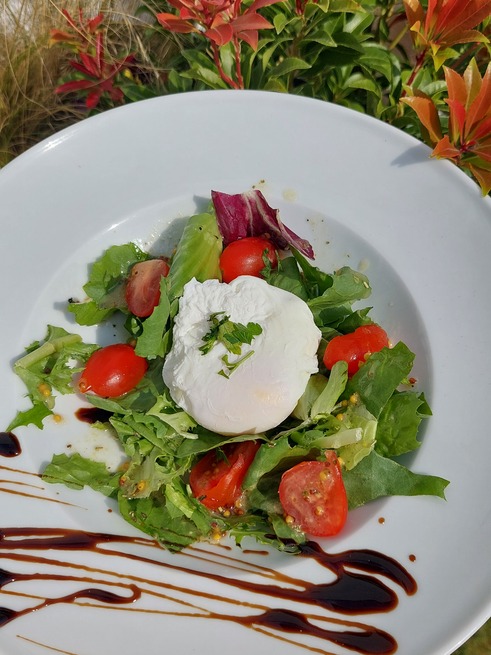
{"points": [[232, 366], [233, 336]]}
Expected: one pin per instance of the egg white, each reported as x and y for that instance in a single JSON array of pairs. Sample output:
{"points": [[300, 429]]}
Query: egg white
{"points": [[265, 388]]}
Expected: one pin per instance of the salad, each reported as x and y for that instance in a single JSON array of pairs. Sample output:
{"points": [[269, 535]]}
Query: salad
{"points": [[250, 395]]}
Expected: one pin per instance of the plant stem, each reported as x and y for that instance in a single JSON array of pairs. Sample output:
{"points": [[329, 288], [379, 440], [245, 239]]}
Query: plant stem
{"points": [[420, 59], [45, 350], [238, 65], [402, 33], [216, 58], [465, 56]]}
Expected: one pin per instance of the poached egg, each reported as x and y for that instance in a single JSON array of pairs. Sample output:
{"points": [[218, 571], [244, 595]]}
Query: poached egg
{"points": [[264, 388]]}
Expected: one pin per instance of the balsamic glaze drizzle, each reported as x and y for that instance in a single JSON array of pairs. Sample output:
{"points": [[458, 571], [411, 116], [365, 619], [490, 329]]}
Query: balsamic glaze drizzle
{"points": [[354, 589], [9, 445], [92, 415]]}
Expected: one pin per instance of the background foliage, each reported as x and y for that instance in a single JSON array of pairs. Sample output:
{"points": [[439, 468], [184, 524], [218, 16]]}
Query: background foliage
{"points": [[420, 65]]}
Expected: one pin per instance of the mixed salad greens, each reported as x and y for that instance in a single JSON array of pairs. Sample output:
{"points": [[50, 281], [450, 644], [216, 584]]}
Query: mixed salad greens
{"points": [[182, 482]]}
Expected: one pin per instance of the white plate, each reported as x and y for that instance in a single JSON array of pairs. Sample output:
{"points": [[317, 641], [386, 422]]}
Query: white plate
{"points": [[365, 194]]}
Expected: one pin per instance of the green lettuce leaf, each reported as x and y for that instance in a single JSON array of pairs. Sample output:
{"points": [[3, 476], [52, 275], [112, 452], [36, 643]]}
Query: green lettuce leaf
{"points": [[154, 339], [335, 302], [316, 281], [330, 435], [322, 394], [206, 440], [271, 531], [379, 377], [270, 456], [35, 415], [197, 254], [264, 496], [105, 286], [173, 416], [354, 320], [89, 313], [286, 276], [111, 269], [361, 420], [149, 473], [162, 516], [77, 472], [329, 397], [141, 428], [49, 366], [185, 504], [377, 476], [315, 386], [399, 423]]}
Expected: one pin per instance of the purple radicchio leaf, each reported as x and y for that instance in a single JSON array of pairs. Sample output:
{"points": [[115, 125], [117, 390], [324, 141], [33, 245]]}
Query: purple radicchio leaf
{"points": [[248, 214]]}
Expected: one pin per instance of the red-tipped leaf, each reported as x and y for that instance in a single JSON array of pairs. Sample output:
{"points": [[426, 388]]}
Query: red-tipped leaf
{"points": [[427, 114], [249, 214]]}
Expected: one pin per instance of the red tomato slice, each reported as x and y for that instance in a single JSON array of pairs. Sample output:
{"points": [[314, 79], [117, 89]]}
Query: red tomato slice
{"points": [[216, 479], [112, 371], [313, 494], [142, 291], [355, 347], [245, 257]]}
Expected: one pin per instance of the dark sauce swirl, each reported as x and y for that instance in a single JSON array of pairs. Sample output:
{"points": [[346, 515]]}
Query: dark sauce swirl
{"points": [[356, 586]]}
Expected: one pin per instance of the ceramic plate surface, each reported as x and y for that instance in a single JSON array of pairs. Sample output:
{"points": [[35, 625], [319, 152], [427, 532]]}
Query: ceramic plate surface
{"points": [[365, 195]]}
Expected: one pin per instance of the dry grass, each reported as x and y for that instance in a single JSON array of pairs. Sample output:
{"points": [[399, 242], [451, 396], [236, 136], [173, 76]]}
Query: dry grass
{"points": [[30, 69]]}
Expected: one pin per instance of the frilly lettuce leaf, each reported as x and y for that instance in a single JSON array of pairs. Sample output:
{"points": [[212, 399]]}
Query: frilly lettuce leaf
{"points": [[77, 472], [104, 287], [49, 366], [154, 338], [327, 400], [358, 418], [166, 516]]}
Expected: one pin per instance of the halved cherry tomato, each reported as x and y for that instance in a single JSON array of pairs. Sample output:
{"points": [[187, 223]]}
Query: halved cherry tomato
{"points": [[216, 479], [142, 291], [112, 371], [313, 495], [355, 347], [245, 257]]}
